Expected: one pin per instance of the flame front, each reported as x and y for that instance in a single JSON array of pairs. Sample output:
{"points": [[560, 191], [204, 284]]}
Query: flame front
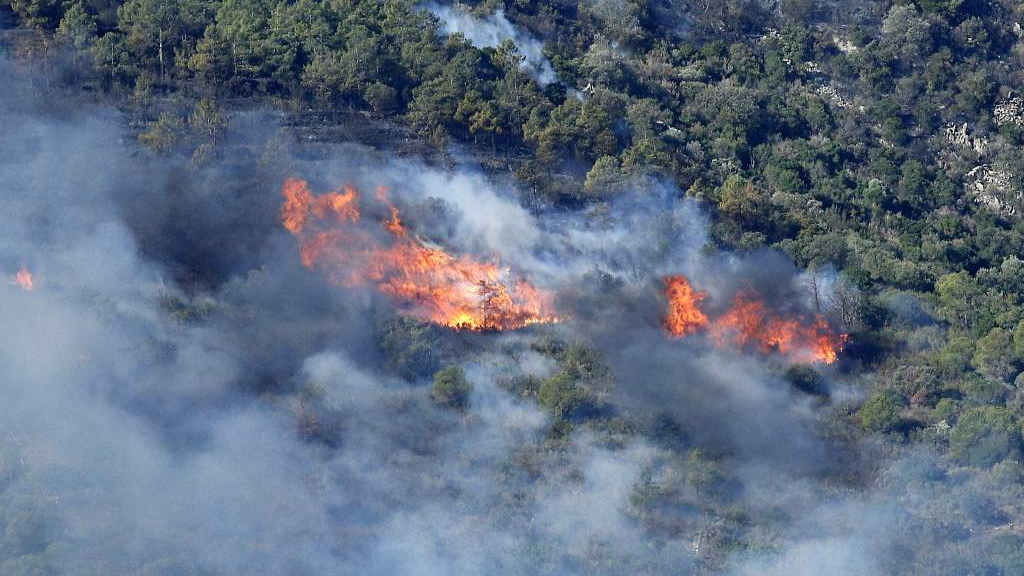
{"points": [[749, 323], [23, 278], [427, 282]]}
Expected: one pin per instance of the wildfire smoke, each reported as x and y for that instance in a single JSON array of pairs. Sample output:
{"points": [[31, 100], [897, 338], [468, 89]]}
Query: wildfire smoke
{"points": [[426, 281]]}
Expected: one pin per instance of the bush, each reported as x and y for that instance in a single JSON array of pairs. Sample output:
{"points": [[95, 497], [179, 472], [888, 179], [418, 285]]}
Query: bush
{"points": [[451, 389], [881, 413], [805, 378], [562, 395], [994, 355], [983, 436]]}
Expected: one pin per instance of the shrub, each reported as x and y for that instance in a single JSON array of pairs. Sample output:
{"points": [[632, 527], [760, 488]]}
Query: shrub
{"points": [[451, 389]]}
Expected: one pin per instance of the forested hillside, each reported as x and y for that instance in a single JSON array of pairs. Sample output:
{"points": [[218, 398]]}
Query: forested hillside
{"points": [[856, 162]]}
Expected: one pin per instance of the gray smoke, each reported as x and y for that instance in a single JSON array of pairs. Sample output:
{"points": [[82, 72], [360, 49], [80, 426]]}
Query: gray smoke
{"points": [[181, 396]]}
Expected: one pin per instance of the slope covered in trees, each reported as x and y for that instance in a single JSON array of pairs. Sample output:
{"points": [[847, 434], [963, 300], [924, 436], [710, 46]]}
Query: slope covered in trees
{"points": [[876, 143]]}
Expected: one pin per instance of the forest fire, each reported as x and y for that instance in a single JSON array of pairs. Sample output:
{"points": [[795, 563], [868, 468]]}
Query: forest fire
{"points": [[684, 315], [749, 323], [427, 282], [23, 278]]}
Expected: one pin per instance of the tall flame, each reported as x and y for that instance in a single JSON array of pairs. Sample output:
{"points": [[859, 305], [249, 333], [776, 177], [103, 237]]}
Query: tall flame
{"points": [[684, 315], [749, 323], [426, 281], [23, 278]]}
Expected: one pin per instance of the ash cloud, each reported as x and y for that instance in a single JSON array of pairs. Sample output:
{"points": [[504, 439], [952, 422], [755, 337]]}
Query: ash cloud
{"points": [[491, 31]]}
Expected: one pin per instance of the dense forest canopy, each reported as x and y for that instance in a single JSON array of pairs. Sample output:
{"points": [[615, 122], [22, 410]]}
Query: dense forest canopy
{"points": [[854, 163]]}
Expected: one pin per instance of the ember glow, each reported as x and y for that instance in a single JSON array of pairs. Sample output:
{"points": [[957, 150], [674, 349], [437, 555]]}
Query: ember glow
{"points": [[749, 323], [23, 278], [425, 281]]}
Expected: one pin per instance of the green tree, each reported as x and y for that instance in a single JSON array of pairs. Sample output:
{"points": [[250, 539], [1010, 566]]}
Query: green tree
{"points": [[381, 98], [906, 34], [947, 8], [961, 300], [881, 413], [562, 395], [741, 201], [1018, 340], [913, 185], [241, 39], [606, 177], [152, 26], [163, 134], [451, 389], [77, 30], [644, 117], [412, 349], [983, 436], [38, 13], [994, 355], [208, 120]]}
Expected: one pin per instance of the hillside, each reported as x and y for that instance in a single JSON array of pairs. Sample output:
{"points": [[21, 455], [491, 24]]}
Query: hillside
{"points": [[617, 286]]}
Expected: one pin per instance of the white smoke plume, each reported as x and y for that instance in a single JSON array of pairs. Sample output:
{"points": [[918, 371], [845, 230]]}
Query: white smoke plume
{"points": [[491, 31]]}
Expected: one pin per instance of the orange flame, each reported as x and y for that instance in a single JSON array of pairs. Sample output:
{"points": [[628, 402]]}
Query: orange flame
{"points": [[684, 315], [23, 278], [428, 282], [748, 323]]}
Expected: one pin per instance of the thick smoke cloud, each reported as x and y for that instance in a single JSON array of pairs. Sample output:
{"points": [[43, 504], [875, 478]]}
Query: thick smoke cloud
{"points": [[491, 31], [270, 437]]}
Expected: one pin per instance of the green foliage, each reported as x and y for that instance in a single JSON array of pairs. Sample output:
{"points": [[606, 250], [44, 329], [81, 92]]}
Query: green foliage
{"points": [[805, 378], [451, 389], [563, 396], [152, 29], [41, 13], [995, 357], [742, 202], [881, 413], [412, 348], [704, 474], [962, 302], [606, 176], [984, 435], [583, 362], [944, 409], [207, 120], [163, 134], [77, 28]]}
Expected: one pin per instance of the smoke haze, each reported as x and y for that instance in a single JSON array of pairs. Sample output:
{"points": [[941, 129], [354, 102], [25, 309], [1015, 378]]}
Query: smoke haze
{"points": [[181, 396]]}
